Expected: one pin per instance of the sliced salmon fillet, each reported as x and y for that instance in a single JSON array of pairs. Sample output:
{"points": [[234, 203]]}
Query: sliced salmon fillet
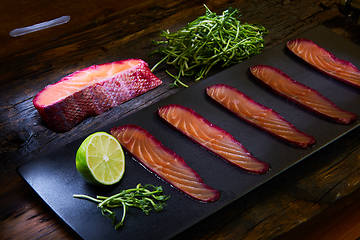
{"points": [[301, 94], [163, 162], [211, 137], [258, 115], [92, 91], [325, 61]]}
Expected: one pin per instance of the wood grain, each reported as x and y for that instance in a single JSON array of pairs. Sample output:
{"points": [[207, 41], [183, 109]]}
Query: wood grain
{"points": [[326, 185]]}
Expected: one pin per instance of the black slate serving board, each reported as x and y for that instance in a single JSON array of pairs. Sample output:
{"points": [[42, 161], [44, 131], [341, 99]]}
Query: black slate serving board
{"points": [[55, 180]]}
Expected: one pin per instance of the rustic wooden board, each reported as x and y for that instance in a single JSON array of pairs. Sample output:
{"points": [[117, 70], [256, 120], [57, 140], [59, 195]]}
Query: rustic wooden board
{"points": [[45, 175], [326, 183]]}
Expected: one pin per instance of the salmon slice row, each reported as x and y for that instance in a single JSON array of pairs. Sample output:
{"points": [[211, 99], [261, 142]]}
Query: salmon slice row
{"points": [[258, 115], [164, 162], [301, 94], [92, 91], [325, 61], [211, 137]]}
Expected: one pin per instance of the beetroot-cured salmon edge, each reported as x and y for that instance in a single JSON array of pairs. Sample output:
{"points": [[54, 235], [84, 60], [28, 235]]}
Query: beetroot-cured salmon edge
{"points": [[342, 61], [338, 120], [312, 139], [65, 78], [265, 164], [160, 145]]}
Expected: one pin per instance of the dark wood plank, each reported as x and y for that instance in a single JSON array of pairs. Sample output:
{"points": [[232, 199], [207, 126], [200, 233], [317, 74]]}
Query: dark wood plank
{"points": [[102, 31], [23, 217], [340, 221]]}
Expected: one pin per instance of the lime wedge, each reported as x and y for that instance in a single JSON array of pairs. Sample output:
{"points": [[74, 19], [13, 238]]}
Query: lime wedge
{"points": [[100, 159]]}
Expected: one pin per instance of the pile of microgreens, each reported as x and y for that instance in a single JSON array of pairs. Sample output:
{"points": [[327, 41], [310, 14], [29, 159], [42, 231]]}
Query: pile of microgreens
{"points": [[208, 41]]}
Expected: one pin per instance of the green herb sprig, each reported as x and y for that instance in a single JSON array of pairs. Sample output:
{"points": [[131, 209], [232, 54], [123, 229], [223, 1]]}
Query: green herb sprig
{"points": [[208, 41], [146, 198]]}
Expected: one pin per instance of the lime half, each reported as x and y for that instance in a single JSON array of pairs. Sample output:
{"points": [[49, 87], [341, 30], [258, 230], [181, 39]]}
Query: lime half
{"points": [[100, 159]]}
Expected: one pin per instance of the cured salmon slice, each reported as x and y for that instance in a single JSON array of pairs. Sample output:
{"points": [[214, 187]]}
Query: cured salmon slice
{"points": [[325, 61], [258, 115], [301, 94], [163, 162], [92, 91], [211, 137]]}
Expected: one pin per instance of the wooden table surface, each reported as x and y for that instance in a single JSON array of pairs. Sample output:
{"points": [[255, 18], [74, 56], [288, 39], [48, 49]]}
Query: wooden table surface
{"points": [[318, 199]]}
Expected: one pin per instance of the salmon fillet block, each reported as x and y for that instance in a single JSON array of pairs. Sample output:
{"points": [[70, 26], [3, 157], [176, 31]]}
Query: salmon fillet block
{"points": [[92, 91]]}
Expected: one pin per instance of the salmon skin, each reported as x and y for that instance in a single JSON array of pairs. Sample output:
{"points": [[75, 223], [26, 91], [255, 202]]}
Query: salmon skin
{"points": [[163, 162], [325, 61], [211, 137], [92, 91], [301, 94], [258, 115]]}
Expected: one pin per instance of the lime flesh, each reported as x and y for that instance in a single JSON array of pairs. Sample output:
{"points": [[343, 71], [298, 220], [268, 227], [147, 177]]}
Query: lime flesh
{"points": [[100, 159]]}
